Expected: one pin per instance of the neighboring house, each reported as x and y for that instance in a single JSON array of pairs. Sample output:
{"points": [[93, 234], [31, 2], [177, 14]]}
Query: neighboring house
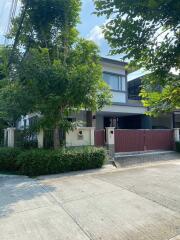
{"points": [[126, 111], [26, 121]]}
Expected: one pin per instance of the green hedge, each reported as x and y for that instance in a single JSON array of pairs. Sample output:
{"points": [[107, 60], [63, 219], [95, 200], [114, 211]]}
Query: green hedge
{"points": [[42, 162], [8, 159], [178, 146]]}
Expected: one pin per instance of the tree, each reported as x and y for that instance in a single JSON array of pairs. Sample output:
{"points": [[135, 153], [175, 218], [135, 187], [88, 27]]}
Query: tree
{"points": [[57, 72], [158, 99], [148, 33], [6, 117]]}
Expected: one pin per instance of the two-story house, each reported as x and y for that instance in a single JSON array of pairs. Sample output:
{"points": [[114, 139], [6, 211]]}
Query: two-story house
{"points": [[126, 111]]}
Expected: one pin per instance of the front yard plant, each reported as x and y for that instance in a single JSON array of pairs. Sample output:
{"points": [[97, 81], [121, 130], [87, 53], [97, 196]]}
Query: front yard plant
{"points": [[8, 159], [43, 162]]}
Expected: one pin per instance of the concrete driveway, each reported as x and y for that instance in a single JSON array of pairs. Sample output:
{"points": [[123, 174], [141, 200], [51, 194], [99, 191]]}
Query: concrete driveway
{"points": [[133, 204]]}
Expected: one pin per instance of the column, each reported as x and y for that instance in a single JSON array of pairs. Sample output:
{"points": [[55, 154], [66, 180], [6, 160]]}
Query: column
{"points": [[92, 136], [40, 138], [176, 134], [110, 140], [11, 136]]}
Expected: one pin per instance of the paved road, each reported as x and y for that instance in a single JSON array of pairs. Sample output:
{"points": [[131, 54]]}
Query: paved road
{"points": [[134, 204]]}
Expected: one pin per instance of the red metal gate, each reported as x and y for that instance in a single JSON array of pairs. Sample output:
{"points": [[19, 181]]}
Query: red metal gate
{"points": [[99, 138], [159, 139], [142, 140]]}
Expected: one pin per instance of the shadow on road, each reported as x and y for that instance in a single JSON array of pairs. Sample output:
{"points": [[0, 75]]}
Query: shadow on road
{"points": [[20, 193]]}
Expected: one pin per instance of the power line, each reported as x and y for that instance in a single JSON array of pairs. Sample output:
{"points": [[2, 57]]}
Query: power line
{"points": [[12, 14], [15, 8], [2, 11], [16, 40], [9, 20]]}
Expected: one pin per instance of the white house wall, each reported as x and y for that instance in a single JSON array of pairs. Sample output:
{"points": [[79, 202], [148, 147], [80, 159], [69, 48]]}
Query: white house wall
{"points": [[124, 109], [119, 97]]}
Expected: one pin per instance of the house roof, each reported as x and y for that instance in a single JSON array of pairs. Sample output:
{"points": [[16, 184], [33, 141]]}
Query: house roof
{"points": [[137, 74], [113, 61]]}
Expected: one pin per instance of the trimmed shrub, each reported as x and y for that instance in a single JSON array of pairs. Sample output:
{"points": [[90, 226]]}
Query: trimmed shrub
{"points": [[42, 162], [178, 146], [8, 159]]}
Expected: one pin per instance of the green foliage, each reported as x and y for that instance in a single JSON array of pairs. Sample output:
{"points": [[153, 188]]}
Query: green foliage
{"points": [[58, 90], [14, 99], [14, 102], [147, 32], [1, 135], [8, 159], [57, 73], [6, 116], [178, 147], [48, 22], [42, 162], [4, 56], [158, 99]]}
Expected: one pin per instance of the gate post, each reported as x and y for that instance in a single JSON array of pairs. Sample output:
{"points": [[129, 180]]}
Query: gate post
{"points": [[40, 138], [110, 140], [92, 137], [176, 134], [10, 137]]}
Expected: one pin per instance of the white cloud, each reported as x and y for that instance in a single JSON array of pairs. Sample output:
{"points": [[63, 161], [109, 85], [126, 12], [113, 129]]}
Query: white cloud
{"points": [[96, 35]]}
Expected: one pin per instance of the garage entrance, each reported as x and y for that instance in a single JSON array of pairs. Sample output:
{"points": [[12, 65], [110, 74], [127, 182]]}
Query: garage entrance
{"points": [[143, 140]]}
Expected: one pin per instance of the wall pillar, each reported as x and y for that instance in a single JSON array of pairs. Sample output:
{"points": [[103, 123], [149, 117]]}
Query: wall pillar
{"points": [[110, 140], [176, 134], [40, 138], [10, 137], [92, 136]]}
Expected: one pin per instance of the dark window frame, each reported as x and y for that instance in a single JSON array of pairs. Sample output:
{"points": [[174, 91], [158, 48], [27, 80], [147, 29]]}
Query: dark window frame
{"points": [[120, 82]]}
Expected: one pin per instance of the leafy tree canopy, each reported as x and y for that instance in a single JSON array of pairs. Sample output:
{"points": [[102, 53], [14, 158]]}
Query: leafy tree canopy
{"points": [[148, 33], [54, 71]]}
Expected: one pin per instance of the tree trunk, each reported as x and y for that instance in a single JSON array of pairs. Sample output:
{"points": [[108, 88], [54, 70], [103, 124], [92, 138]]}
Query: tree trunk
{"points": [[56, 138]]}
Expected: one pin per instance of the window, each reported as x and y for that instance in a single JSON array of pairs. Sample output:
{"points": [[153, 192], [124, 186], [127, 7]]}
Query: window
{"points": [[115, 81], [134, 88]]}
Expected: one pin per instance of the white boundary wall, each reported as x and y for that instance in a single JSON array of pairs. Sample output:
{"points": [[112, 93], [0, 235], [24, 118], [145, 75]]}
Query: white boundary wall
{"points": [[82, 136]]}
